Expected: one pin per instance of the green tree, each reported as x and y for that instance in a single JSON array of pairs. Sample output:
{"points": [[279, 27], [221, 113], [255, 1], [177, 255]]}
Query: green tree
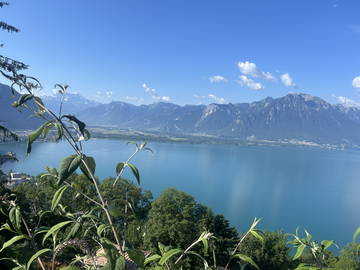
{"points": [[271, 254], [349, 258]]}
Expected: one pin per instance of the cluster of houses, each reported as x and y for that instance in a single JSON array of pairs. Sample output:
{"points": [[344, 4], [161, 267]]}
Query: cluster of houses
{"points": [[12, 179]]}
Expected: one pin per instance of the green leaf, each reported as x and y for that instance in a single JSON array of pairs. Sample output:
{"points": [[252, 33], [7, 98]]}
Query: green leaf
{"points": [[137, 256], [101, 229], [22, 99], [119, 167], [74, 229], [305, 266], [41, 107], [162, 248], [135, 172], [81, 125], [299, 251], [152, 258], [120, 263], [205, 242], [114, 211], [57, 197], [90, 163], [327, 243], [12, 241], [357, 232], [70, 268], [199, 256], [257, 234], [55, 229], [15, 218], [246, 259], [33, 136], [68, 166], [168, 255], [35, 256], [59, 130]]}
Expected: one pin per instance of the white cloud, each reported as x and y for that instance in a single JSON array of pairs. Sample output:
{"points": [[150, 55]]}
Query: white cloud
{"points": [[347, 102], [217, 79], [287, 80], [103, 95], [250, 69], [268, 76], [356, 82], [219, 100], [211, 98], [245, 81], [154, 95], [134, 99], [108, 94]]}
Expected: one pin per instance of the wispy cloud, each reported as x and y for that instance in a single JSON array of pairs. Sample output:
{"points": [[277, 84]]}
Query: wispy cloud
{"points": [[134, 99], [217, 79], [347, 102], [356, 82], [287, 80], [251, 69], [154, 95], [211, 98], [250, 83], [103, 96]]}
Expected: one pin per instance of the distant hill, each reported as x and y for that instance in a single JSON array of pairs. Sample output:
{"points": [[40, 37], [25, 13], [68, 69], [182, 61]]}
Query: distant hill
{"points": [[73, 103], [11, 117], [295, 116]]}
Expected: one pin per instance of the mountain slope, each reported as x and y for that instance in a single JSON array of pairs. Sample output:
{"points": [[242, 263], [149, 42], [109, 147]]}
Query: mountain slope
{"points": [[13, 118], [73, 103], [294, 116]]}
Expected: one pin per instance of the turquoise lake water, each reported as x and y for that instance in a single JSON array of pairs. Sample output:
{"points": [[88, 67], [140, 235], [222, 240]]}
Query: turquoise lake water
{"points": [[288, 187]]}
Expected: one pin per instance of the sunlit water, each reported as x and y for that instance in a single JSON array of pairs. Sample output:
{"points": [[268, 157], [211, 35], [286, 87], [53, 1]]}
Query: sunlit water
{"points": [[288, 187]]}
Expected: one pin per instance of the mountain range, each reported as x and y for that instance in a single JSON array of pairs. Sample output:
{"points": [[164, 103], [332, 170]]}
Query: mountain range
{"points": [[296, 116]]}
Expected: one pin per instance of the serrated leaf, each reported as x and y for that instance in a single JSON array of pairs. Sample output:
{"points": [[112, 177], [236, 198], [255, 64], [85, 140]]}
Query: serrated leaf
{"points": [[57, 197], [55, 229], [12, 241], [168, 255], [246, 259], [91, 164], [68, 166], [135, 172], [35, 256]]}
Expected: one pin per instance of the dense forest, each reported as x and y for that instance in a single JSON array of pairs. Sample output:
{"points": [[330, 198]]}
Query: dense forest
{"points": [[64, 219]]}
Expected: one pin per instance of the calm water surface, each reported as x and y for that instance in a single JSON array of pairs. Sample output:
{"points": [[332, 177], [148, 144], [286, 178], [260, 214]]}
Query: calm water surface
{"points": [[288, 187]]}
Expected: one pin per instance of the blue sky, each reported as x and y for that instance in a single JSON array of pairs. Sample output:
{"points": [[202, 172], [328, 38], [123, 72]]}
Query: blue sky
{"points": [[187, 51]]}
